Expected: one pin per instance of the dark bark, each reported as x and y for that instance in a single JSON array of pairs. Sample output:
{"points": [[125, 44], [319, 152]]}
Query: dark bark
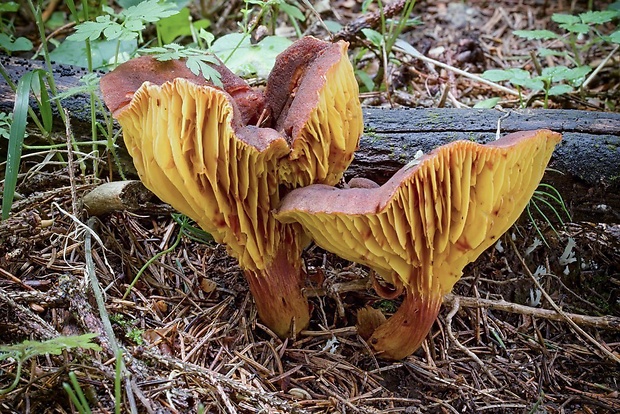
{"points": [[587, 160]]}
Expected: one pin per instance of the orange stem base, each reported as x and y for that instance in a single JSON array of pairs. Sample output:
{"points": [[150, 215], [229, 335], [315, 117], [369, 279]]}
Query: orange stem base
{"points": [[403, 333], [278, 295]]}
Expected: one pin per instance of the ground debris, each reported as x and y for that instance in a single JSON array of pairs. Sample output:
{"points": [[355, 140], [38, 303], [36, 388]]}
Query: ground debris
{"points": [[188, 329]]}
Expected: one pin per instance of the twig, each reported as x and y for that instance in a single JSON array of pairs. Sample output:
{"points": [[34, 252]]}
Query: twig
{"points": [[599, 67], [74, 208], [412, 52], [600, 322], [453, 311], [604, 350], [368, 20]]}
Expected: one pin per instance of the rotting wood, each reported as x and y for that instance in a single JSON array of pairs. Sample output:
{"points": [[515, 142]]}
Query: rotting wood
{"points": [[587, 161], [121, 196]]}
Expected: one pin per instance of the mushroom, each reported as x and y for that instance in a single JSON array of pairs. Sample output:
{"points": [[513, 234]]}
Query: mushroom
{"points": [[420, 229], [225, 156]]}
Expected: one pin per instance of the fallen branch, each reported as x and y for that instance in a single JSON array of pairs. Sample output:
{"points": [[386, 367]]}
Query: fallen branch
{"points": [[600, 322]]}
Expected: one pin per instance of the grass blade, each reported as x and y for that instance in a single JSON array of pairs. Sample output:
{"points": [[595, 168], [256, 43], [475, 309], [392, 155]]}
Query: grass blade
{"points": [[16, 139], [45, 106]]}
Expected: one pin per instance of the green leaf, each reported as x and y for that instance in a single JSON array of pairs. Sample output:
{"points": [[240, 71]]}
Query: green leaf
{"points": [[134, 26], [544, 52], [198, 61], [557, 73], [9, 7], [366, 80], [178, 25], [534, 84], [598, 17], [53, 346], [5, 125], [576, 28], [103, 52], [517, 73], [207, 37], [16, 139], [565, 18], [577, 73], [560, 90], [44, 104], [536, 34], [512, 75], [487, 103], [496, 75], [246, 59], [90, 30], [149, 11], [332, 25], [198, 66], [292, 11], [21, 44], [615, 37], [373, 36], [116, 31]]}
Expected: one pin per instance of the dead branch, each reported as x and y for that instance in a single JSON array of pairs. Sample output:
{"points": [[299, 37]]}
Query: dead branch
{"points": [[600, 322]]}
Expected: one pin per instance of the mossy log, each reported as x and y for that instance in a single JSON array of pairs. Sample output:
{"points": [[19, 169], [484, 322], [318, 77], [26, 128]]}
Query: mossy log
{"points": [[585, 166]]}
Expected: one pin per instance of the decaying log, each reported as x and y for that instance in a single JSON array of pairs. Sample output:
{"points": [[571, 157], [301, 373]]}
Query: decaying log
{"points": [[587, 161], [585, 167]]}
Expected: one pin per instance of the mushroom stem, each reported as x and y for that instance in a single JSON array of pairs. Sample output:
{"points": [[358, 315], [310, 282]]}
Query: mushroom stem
{"points": [[277, 292], [405, 331]]}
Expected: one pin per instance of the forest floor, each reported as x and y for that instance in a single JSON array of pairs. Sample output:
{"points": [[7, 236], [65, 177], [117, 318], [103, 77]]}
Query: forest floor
{"points": [[188, 328]]}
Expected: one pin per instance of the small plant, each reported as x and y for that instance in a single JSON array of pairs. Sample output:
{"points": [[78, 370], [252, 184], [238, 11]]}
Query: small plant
{"points": [[187, 229], [130, 331], [8, 42], [384, 40], [549, 81], [548, 196], [32, 81], [5, 124], [581, 33], [387, 306], [196, 60], [22, 352], [76, 395], [576, 27], [126, 26]]}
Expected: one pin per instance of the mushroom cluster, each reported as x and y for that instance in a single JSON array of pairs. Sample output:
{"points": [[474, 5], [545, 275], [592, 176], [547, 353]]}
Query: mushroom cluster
{"points": [[421, 228], [225, 156], [256, 169]]}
